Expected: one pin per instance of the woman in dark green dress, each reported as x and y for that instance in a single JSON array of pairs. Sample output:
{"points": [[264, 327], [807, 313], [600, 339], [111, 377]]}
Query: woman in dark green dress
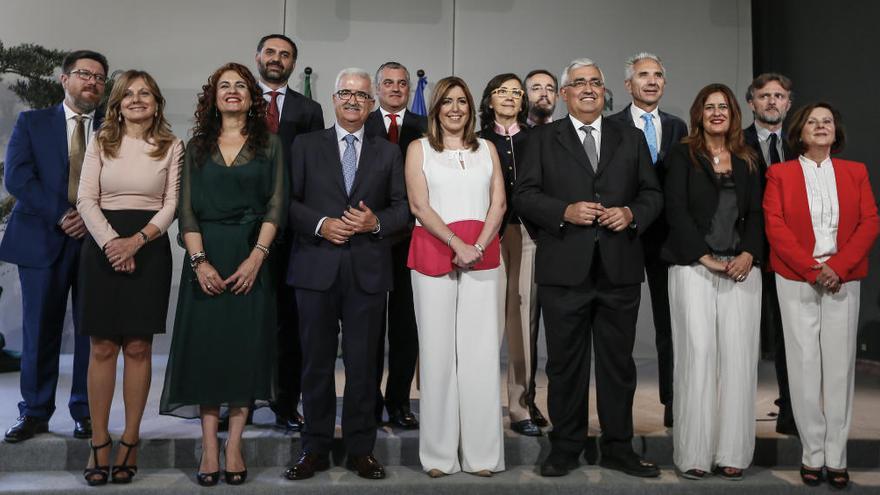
{"points": [[232, 204]]}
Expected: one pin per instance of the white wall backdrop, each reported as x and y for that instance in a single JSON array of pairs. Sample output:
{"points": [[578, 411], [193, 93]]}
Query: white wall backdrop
{"points": [[181, 42]]}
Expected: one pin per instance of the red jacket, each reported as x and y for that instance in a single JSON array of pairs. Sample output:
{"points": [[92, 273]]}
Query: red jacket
{"points": [[790, 229]]}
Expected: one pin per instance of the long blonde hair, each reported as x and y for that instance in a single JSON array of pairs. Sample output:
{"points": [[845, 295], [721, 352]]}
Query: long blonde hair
{"points": [[113, 128]]}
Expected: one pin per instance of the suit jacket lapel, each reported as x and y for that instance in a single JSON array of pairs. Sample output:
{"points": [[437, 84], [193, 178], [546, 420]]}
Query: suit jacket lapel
{"points": [[568, 137], [666, 126], [610, 141], [332, 158], [288, 106], [365, 163], [59, 135]]}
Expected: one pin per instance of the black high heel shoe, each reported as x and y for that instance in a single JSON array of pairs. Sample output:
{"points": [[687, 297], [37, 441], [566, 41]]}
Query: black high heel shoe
{"points": [[208, 479], [811, 477], [97, 475], [838, 480], [128, 470], [234, 477]]}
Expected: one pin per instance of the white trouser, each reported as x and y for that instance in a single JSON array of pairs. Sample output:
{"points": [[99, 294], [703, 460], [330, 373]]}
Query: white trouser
{"points": [[820, 352], [715, 337], [459, 371], [519, 306]]}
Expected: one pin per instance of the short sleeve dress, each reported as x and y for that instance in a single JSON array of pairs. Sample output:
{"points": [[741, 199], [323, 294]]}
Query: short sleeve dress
{"points": [[223, 347]]}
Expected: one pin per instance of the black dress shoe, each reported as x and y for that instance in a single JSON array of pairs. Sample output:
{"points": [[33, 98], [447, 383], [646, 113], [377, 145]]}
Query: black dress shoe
{"points": [[82, 428], [366, 466], [537, 417], [631, 464], [26, 427], [526, 427], [294, 423], [559, 463], [307, 465], [667, 415], [404, 418], [785, 423]]}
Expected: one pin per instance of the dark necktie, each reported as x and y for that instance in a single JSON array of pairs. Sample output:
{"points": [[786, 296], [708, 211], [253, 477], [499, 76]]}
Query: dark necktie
{"points": [[272, 116], [772, 149], [393, 129], [76, 155]]}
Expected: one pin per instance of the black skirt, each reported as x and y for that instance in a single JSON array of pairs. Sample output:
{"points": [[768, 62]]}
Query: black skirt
{"points": [[115, 304]]}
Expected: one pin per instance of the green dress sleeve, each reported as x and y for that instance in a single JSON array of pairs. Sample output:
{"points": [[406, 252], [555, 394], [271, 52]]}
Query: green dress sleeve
{"points": [[187, 221], [276, 208]]}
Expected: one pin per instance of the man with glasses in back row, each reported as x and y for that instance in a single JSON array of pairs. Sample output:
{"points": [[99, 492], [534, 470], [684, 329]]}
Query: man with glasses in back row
{"points": [[44, 236]]}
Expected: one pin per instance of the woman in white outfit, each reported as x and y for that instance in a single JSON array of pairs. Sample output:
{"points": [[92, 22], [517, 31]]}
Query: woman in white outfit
{"points": [[821, 223], [456, 192], [713, 204]]}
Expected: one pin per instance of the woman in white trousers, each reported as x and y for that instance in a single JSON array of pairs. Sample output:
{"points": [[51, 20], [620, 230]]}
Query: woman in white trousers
{"points": [[456, 193], [821, 223], [713, 204]]}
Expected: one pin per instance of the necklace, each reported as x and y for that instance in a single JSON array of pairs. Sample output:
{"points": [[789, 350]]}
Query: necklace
{"points": [[716, 156]]}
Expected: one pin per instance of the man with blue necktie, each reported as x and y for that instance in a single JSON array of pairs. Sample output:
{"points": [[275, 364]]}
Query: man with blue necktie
{"points": [[645, 79], [44, 235]]}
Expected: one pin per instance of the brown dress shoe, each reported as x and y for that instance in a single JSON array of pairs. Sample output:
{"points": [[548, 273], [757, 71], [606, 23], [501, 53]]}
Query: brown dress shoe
{"points": [[307, 465], [366, 466]]}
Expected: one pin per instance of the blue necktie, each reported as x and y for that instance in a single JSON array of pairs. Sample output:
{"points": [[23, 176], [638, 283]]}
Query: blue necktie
{"points": [[349, 162], [650, 135]]}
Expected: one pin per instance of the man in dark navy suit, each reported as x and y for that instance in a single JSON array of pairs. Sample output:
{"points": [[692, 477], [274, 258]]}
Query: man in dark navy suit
{"points": [[645, 79], [289, 115], [769, 96], [44, 235], [392, 121], [348, 196]]}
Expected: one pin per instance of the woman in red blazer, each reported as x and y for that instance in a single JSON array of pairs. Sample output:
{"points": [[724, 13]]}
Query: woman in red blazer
{"points": [[821, 221]]}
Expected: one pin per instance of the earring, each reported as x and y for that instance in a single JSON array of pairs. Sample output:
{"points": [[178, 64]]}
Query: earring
{"points": [[251, 112], [120, 117]]}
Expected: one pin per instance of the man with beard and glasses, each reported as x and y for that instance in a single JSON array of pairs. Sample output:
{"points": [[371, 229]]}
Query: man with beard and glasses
{"points": [[392, 121], [44, 236], [645, 79], [769, 96], [347, 198], [541, 86], [289, 115]]}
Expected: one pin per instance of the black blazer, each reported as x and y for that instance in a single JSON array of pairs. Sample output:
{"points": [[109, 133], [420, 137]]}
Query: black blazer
{"points": [[750, 134], [413, 127], [299, 115], [556, 172], [691, 201], [673, 130], [319, 191], [510, 151]]}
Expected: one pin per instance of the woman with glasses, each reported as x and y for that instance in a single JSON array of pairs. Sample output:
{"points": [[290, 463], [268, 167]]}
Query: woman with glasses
{"points": [[456, 192], [127, 197], [821, 223], [715, 241], [503, 113], [232, 204]]}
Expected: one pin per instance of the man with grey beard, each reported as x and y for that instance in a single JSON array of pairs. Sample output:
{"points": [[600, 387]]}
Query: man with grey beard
{"points": [[769, 97]]}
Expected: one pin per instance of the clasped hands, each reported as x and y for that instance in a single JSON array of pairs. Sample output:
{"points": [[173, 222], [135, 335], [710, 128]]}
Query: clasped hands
{"points": [[737, 269], [240, 282], [466, 255], [353, 221], [827, 278], [615, 218], [121, 250]]}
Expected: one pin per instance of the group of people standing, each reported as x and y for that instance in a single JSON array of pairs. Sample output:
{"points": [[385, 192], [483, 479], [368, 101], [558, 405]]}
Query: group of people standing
{"points": [[447, 236]]}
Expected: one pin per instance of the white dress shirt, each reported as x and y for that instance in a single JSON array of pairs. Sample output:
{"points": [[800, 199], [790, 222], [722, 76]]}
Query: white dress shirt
{"points": [[764, 142], [279, 100], [640, 122], [596, 132], [387, 120], [824, 206]]}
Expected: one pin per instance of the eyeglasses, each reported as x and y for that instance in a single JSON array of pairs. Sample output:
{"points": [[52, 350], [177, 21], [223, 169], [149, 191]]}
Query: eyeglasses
{"points": [[346, 94], [580, 83], [85, 75], [504, 93]]}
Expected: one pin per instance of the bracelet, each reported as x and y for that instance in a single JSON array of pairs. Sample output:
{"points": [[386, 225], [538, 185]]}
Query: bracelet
{"points": [[197, 259], [262, 248], [143, 236], [479, 247], [449, 239]]}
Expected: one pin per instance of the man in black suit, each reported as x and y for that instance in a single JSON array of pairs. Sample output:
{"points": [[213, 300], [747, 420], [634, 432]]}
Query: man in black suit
{"points": [[290, 114], [645, 79], [348, 196], [769, 96], [393, 122], [588, 188]]}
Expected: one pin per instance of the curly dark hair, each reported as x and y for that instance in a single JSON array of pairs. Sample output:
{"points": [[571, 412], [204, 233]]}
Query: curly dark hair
{"points": [[208, 120], [487, 114]]}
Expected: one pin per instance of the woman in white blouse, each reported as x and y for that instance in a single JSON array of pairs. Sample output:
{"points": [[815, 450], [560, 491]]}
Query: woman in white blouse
{"points": [[127, 197], [821, 221]]}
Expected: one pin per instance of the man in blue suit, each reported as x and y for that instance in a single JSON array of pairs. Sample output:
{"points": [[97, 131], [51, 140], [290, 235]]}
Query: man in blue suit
{"points": [[44, 235]]}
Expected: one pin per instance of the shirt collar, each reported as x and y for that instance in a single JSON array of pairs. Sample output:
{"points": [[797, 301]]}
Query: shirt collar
{"points": [[764, 133], [385, 113], [810, 163], [596, 125], [341, 133], [501, 131], [266, 89], [69, 113], [638, 112]]}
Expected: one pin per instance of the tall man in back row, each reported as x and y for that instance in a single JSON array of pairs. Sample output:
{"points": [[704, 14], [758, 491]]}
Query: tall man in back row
{"points": [[290, 114], [645, 79], [587, 190], [392, 121]]}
